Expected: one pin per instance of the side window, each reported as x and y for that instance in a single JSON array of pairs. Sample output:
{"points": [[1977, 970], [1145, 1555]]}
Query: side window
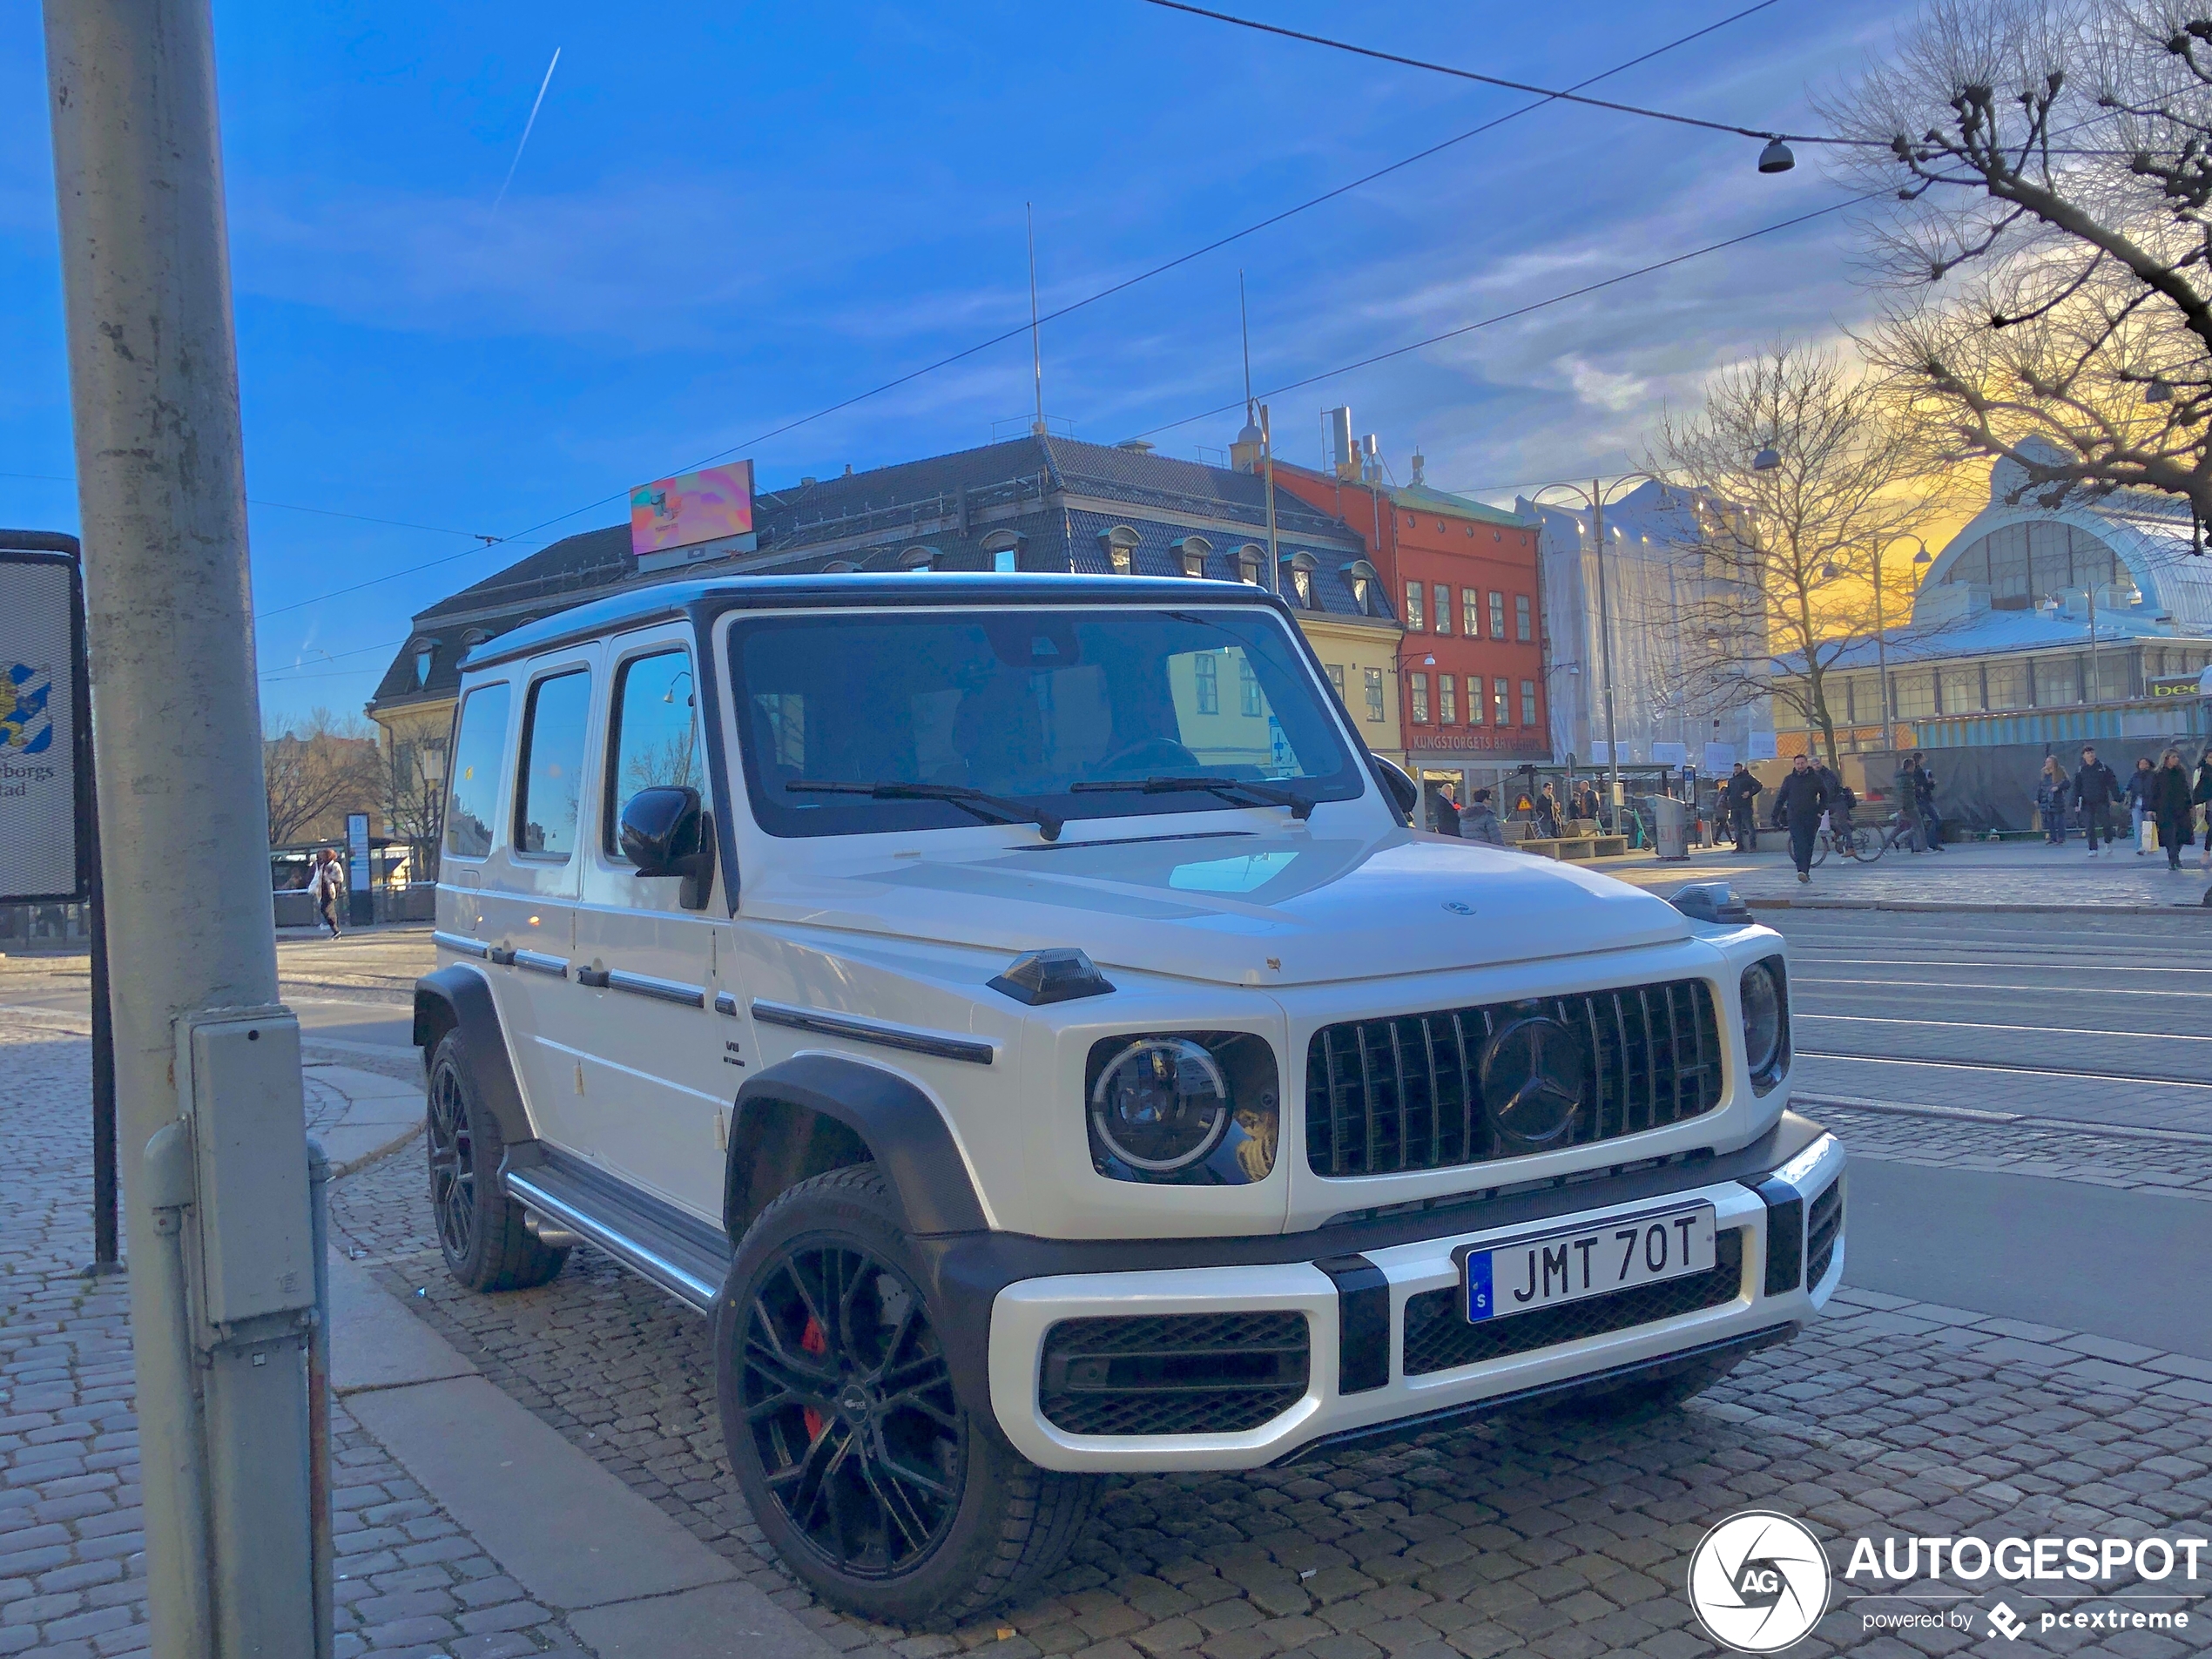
{"points": [[472, 800], [652, 735], [552, 765]]}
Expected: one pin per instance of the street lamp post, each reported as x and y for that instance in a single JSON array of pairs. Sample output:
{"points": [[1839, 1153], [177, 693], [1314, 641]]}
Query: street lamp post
{"points": [[1597, 498]]}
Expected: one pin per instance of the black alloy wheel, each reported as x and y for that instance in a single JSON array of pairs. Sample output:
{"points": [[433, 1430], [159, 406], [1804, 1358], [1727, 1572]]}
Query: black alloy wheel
{"points": [[884, 1488], [452, 1170], [849, 1403]]}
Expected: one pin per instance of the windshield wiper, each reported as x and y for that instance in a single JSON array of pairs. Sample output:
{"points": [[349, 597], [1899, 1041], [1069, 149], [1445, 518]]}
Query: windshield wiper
{"points": [[992, 809], [1267, 794]]}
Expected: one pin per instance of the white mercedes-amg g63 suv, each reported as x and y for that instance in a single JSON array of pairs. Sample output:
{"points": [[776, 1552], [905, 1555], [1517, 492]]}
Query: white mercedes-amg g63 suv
{"points": [[1016, 1012]]}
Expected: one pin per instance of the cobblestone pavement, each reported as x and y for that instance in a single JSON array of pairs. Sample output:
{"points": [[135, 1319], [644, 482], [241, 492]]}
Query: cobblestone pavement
{"points": [[1523, 1537], [1991, 873], [72, 1566], [2142, 1160]]}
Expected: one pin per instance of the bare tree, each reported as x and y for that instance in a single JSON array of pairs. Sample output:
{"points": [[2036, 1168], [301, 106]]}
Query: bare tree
{"points": [[2046, 248], [1784, 554], [413, 796], [318, 770]]}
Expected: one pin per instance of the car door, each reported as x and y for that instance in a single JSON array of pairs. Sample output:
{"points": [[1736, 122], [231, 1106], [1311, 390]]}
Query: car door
{"points": [[529, 896], [658, 1077]]}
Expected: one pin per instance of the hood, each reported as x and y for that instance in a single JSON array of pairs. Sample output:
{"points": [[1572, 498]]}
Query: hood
{"points": [[1282, 909]]}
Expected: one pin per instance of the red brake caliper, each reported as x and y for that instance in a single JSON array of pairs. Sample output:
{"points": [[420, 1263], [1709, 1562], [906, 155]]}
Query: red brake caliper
{"points": [[815, 1342]]}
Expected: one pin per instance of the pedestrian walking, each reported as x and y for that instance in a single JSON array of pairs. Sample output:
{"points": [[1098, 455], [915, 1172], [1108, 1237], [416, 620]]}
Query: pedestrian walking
{"points": [[1905, 823], [2096, 790], [326, 885], [1741, 791], [2203, 796], [1443, 813], [1547, 813], [2050, 800], [1924, 794], [1799, 803], [1479, 822], [2140, 784], [2170, 799]]}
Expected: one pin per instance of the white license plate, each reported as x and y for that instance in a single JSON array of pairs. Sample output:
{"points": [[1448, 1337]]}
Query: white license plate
{"points": [[1551, 1268]]}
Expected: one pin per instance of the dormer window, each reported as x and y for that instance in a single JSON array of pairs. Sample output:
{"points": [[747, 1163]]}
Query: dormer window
{"points": [[1249, 559], [1120, 545], [919, 560], [1298, 568], [1005, 549], [1191, 555], [426, 651], [1365, 583]]}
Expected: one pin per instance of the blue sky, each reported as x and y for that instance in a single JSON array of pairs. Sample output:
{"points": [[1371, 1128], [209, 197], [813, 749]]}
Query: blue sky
{"points": [[727, 217]]}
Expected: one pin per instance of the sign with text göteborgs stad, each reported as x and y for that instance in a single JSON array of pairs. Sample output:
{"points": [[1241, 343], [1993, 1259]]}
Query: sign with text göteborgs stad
{"points": [[43, 855], [693, 516]]}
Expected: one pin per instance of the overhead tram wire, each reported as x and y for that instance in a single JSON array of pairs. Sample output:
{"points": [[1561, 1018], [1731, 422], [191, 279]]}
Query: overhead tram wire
{"points": [[1545, 99], [1532, 306], [1568, 95]]}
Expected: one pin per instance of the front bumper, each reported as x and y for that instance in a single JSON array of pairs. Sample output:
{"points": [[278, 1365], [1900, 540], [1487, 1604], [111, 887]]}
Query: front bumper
{"points": [[1356, 1384]]}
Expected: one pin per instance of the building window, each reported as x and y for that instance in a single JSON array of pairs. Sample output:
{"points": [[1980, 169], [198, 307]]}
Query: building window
{"points": [[1123, 559], [1443, 608], [1521, 618], [1528, 703], [1501, 710], [1191, 555], [1471, 614], [1208, 671], [2006, 683], [1420, 699], [1474, 699], [1914, 692], [1302, 585], [1247, 688], [1413, 607], [1003, 561], [426, 652], [1359, 595], [919, 560], [1247, 568], [1448, 700], [1497, 616], [1335, 681], [1194, 565], [1119, 545]]}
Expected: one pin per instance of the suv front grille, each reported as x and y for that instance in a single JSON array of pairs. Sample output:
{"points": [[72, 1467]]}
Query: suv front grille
{"points": [[1386, 1096], [1438, 1334], [1824, 1226], [1176, 1373]]}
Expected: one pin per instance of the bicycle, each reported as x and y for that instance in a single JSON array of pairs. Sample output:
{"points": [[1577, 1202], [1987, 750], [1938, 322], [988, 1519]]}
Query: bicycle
{"points": [[1856, 842]]}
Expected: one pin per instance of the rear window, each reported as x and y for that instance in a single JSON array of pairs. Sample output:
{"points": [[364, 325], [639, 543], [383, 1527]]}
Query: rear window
{"points": [[479, 745]]}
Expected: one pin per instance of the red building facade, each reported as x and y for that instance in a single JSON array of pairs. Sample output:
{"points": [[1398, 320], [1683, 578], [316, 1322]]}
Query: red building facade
{"points": [[1464, 578]]}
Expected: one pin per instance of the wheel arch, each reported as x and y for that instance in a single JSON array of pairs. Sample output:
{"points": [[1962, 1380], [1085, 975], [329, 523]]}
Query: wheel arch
{"points": [[819, 1112], [459, 999]]}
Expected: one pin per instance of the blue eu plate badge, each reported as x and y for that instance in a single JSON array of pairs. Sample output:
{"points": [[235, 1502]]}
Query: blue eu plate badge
{"points": [[1479, 1304]]}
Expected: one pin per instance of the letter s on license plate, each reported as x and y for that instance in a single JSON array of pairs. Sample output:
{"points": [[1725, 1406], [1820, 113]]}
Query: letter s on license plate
{"points": [[1525, 1274]]}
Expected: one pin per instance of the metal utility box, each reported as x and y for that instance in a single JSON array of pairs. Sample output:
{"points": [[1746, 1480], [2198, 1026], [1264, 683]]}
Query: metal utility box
{"points": [[1669, 827], [239, 1075]]}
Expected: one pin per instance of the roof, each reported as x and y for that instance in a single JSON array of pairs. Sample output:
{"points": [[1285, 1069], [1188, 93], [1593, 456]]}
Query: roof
{"points": [[1438, 500], [872, 519], [1990, 633], [634, 607]]}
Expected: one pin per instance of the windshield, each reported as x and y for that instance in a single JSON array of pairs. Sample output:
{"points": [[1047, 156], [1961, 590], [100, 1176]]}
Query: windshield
{"points": [[1023, 705]]}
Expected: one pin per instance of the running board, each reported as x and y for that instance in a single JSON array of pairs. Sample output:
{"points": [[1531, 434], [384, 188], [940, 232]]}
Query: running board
{"points": [[685, 1256]]}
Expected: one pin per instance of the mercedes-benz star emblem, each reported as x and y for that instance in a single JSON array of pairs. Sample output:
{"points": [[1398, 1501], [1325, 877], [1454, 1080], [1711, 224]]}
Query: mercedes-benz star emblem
{"points": [[1532, 1075]]}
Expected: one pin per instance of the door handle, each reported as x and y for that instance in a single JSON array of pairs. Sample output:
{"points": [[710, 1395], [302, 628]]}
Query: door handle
{"points": [[596, 978], [501, 955]]}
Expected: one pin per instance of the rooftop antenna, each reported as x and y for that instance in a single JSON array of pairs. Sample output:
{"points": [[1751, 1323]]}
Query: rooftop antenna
{"points": [[1036, 351]]}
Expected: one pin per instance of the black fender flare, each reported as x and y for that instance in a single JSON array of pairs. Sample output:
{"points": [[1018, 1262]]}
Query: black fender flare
{"points": [[897, 1125], [459, 999]]}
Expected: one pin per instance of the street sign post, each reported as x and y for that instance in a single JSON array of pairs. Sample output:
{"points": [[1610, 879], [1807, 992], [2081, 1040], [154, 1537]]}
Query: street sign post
{"points": [[360, 896], [50, 825]]}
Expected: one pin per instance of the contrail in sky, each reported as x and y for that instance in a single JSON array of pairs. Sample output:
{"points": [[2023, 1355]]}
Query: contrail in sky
{"points": [[527, 125]]}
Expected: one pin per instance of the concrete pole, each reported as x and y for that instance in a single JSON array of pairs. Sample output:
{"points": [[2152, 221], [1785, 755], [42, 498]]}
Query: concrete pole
{"points": [[153, 378], [1267, 458]]}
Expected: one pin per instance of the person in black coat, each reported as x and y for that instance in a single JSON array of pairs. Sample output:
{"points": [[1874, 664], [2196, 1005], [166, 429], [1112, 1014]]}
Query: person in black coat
{"points": [[2095, 791], [2170, 798], [1803, 796], [2203, 796], [1741, 791]]}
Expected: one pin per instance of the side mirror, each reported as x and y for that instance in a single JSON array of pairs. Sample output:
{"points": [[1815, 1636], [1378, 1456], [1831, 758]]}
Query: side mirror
{"points": [[666, 831], [1404, 794]]}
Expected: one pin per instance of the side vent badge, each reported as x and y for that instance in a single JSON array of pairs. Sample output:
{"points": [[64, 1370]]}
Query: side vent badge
{"points": [[1051, 976]]}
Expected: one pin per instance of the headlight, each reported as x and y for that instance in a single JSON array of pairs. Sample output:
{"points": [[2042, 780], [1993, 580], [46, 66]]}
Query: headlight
{"points": [[1197, 1109], [1766, 1021]]}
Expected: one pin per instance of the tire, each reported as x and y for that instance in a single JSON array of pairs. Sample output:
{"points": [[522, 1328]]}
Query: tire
{"points": [[1821, 843], [906, 1507], [1866, 845], [481, 1231]]}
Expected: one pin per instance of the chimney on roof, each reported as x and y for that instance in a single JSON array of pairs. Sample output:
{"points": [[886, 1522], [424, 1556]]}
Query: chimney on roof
{"points": [[1421, 462], [848, 470], [1243, 454], [1347, 456], [1371, 459], [1136, 445], [806, 484]]}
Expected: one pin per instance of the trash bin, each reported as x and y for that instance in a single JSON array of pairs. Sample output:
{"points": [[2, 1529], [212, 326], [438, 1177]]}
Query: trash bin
{"points": [[1669, 827]]}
